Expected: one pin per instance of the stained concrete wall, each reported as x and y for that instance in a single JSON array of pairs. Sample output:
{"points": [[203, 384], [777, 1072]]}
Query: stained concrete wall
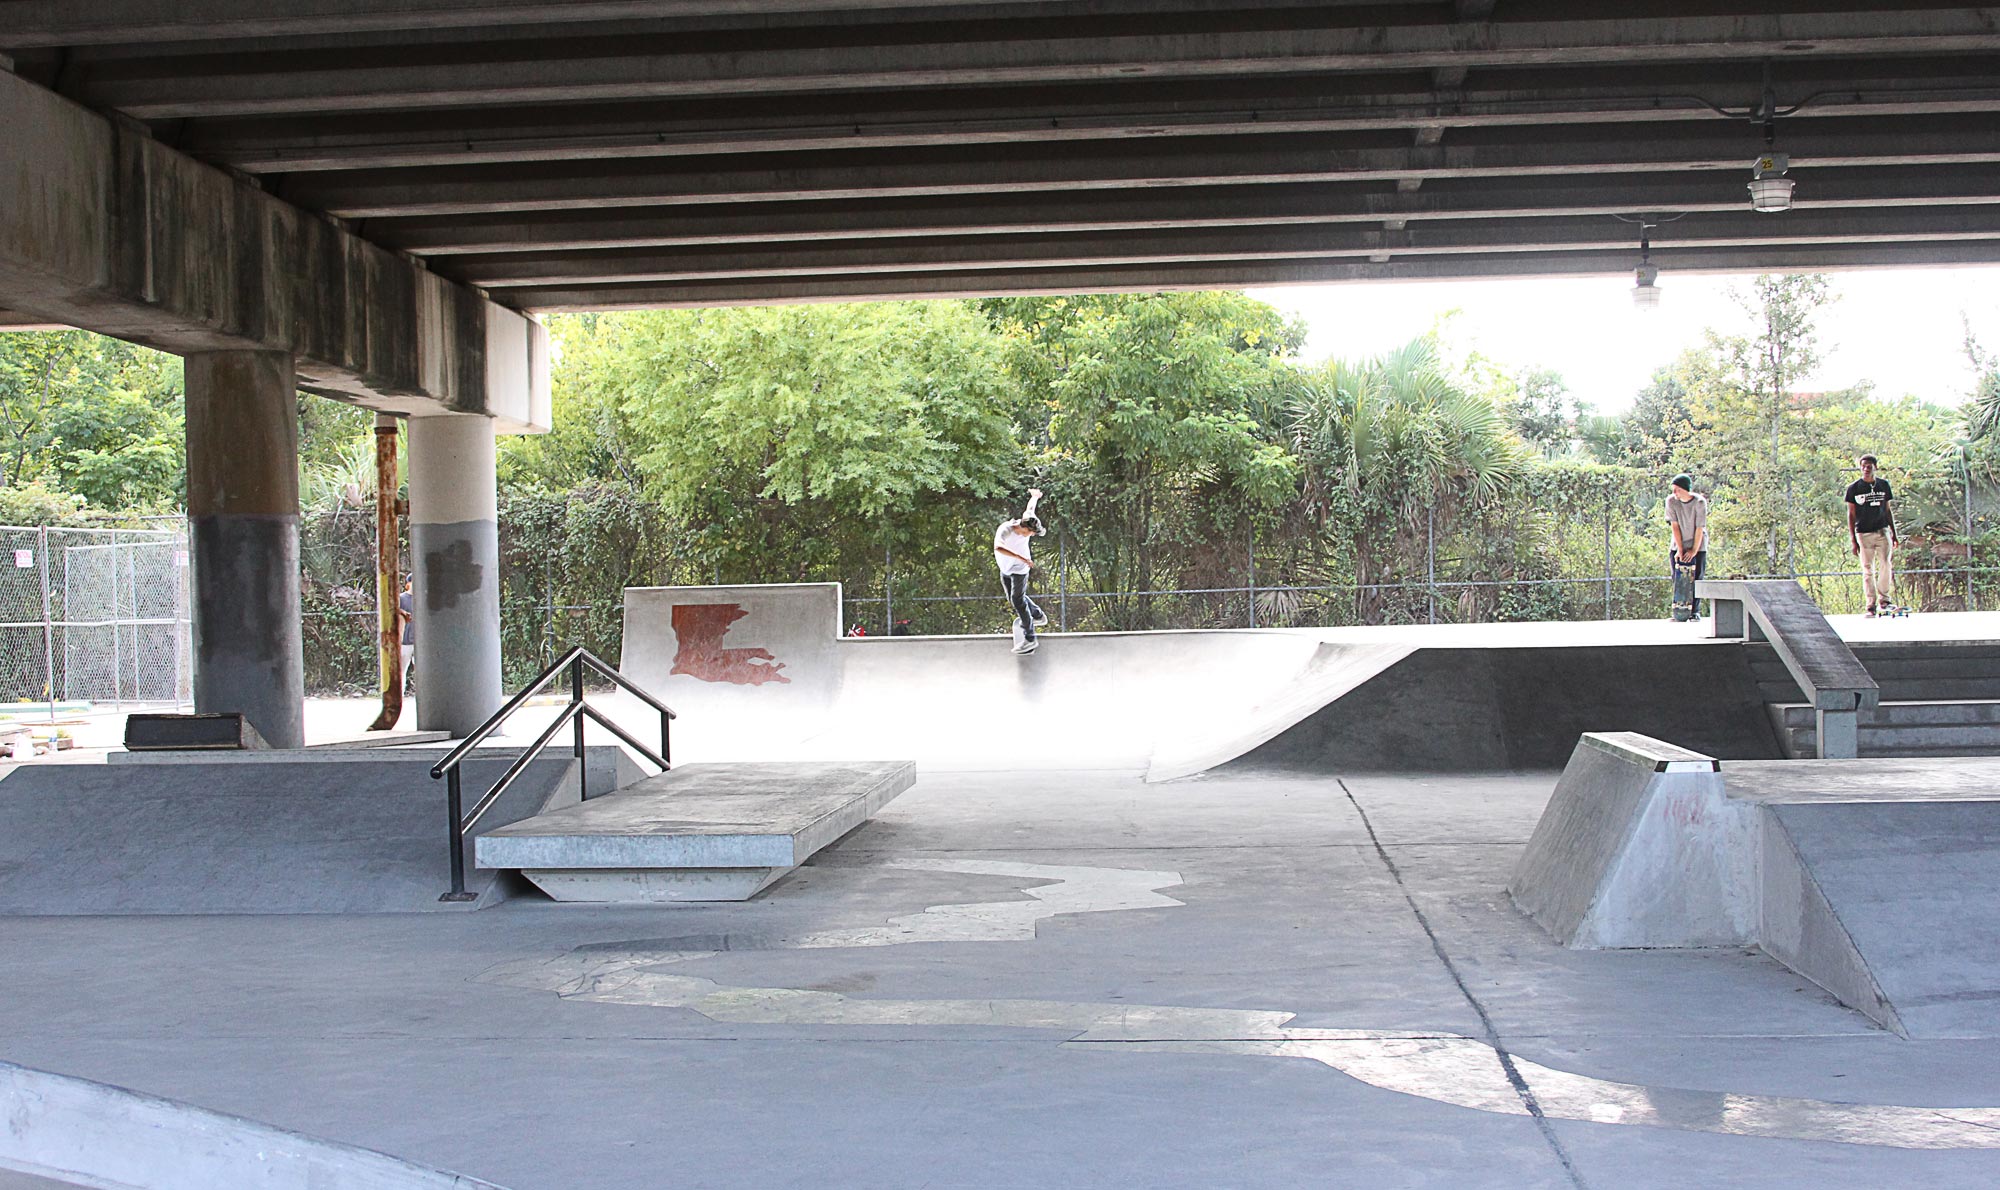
{"points": [[103, 228], [1468, 709]]}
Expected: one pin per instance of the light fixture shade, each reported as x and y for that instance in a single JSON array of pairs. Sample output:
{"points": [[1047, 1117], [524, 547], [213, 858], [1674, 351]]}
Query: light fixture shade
{"points": [[1646, 294], [1771, 194]]}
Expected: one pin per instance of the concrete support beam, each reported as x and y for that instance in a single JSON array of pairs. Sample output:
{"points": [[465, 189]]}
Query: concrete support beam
{"points": [[455, 556], [1113, 211], [1735, 229], [1027, 51], [1237, 274], [243, 526], [1123, 165], [105, 229]]}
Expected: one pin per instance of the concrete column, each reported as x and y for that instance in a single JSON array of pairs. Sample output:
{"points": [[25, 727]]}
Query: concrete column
{"points": [[243, 529], [455, 560]]}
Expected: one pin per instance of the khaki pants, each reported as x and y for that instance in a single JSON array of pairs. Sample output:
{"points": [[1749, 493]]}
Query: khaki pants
{"points": [[1878, 585]]}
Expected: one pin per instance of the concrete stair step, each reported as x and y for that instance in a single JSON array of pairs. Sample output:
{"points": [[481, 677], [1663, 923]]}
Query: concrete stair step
{"points": [[1969, 713]]}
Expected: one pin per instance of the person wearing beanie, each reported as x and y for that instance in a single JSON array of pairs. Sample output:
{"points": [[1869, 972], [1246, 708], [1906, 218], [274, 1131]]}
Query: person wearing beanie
{"points": [[1687, 517]]}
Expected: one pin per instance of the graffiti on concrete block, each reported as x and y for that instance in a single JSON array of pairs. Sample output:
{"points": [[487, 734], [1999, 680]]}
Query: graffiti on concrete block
{"points": [[699, 628]]}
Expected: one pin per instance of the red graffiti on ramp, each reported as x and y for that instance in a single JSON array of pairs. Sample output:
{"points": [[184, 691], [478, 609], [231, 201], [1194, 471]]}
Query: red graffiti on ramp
{"points": [[700, 627]]}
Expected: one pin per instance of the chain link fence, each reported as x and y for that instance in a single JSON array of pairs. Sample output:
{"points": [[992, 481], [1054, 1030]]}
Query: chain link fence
{"points": [[94, 616], [101, 615]]}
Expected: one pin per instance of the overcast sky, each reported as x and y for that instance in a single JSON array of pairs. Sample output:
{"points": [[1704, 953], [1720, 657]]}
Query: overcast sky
{"points": [[1901, 328]]}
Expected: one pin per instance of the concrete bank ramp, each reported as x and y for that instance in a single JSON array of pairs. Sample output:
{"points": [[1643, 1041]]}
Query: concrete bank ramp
{"points": [[1879, 880], [292, 834], [1882, 884], [761, 673], [63, 1131]]}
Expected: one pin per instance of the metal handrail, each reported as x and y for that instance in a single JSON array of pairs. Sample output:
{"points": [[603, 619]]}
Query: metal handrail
{"points": [[574, 712]]}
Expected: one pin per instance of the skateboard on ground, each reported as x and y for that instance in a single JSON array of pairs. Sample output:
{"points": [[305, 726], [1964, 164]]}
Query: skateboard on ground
{"points": [[1891, 610], [1683, 589]]}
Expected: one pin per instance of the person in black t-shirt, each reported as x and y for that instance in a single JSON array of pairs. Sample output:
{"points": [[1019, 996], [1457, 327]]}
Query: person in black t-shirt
{"points": [[1871, 528]]}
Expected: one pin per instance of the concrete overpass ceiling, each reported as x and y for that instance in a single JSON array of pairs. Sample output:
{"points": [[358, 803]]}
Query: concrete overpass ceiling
{"points": [[622, 153]]}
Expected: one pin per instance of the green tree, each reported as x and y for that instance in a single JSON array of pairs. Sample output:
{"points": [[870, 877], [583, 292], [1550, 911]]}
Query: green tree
{"points": [[783, 442], [1396, 450], [90, 415], [1750, 406], [1156, 418]]}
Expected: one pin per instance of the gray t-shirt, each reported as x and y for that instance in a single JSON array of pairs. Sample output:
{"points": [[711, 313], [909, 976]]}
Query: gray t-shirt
{"points": [[1691, 516]]}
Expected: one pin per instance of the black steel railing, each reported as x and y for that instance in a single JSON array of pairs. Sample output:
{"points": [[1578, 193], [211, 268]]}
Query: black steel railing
{"points": [[574, 712]]}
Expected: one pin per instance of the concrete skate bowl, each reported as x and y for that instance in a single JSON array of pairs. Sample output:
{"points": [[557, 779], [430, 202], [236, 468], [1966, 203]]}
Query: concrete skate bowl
{"points": [[784, 685], [1466, 709]]}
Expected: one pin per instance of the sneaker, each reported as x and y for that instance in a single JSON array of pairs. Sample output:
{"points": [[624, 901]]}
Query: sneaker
{"points": [[1870, 613], [1041, 617], [1026, 646]]}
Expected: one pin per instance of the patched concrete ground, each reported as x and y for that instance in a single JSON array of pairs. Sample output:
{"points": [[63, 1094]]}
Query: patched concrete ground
{"points": [[1220, 985]]}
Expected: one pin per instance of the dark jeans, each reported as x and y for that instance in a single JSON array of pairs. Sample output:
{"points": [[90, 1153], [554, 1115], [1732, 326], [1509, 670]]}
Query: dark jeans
{"points": [[1700, 568], [1016, 586]]}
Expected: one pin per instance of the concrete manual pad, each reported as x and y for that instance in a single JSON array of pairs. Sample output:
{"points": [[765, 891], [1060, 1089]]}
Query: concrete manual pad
{"points": [[705, 832]]}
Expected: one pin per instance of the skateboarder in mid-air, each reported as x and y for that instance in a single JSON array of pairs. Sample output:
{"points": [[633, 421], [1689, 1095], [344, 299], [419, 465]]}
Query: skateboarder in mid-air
{"points": [[1687, 513], [1010, 550]]}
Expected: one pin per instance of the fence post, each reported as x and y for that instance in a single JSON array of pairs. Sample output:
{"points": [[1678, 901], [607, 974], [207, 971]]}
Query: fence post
{"points": [[1062, 580], [1431, 558], [1965, 488], [48, 629], [1791, 532], [117, 661], [888, 589], [1253, 574], [1607, 553]]}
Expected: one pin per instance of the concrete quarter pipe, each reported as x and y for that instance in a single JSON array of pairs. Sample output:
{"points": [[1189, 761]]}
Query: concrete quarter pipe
{"points": [[763, 673]]}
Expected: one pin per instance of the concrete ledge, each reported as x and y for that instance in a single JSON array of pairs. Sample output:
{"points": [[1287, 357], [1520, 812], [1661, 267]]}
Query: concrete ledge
{"points": [[705, 832], [1645, 750], [77, 1132]]}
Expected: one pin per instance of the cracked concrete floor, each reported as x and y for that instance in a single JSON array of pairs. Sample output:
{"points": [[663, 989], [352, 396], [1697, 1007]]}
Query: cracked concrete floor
{"points": [[1031, 979]]}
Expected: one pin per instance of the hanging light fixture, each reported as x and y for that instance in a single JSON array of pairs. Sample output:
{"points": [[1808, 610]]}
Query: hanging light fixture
{"points": [[1645, 290], [1770, 189], [1646, 278]]}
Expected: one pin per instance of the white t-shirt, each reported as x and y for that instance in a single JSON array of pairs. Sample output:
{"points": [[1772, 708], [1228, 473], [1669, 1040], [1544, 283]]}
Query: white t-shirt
{"points": [[1005, 536]]}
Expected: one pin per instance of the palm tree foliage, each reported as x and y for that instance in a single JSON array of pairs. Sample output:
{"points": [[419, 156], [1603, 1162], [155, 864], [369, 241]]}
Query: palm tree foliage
{"points": [[1395, 450]]}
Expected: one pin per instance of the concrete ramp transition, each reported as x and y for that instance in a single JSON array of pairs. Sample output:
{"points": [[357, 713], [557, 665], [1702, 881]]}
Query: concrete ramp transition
{"points": [[762, 673], [1879, 880]]}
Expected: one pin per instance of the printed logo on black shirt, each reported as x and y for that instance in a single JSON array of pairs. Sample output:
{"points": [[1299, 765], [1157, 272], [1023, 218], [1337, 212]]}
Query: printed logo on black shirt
{"points": [[1871, 504]]}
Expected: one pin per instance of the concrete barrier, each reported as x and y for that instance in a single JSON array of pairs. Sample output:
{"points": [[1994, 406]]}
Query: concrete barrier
{"points": [[72, 1131]]}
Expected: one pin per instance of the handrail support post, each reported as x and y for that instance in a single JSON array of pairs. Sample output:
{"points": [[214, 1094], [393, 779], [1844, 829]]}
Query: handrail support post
{"points": [[455, 805], [576, 697]]}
